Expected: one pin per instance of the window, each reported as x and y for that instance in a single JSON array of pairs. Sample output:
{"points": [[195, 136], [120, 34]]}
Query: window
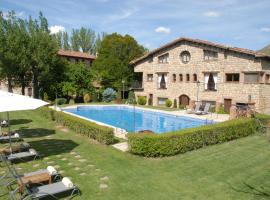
{"points": [[251, 78], [267, 78], [232, 77], [210, 81], [185, 56], [187, 77], [163, 58], [161, 101], [210, 55], [195, 77], [150, 77], [162, 81], [174, 77], [180, 77]]}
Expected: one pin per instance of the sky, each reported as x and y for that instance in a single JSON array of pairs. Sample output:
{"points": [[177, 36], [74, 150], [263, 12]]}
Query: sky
{"points": [[239, 23]]}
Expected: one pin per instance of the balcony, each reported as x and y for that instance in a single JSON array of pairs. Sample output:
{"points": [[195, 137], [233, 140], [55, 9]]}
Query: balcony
{"points": [[136, 85]]}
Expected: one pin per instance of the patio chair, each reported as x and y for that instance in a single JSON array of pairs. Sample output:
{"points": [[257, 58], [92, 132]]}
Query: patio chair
{"points": [[50, 170], [15, 148], [49, 191], [197, 108], [4, 123], [23, 156], [15, 137], [205, 110]]}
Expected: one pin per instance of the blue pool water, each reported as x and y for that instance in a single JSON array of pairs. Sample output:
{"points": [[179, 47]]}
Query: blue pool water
{"points": [[123, 117]]}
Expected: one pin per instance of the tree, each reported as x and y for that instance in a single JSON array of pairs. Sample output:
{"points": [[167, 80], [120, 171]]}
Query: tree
{"points": [[116, 52], [62, 40]]}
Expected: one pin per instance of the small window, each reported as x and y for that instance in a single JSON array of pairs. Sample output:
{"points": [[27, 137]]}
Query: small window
{"points": [[180, 77], [161, 101], [195, 77], [267, 78], [185, 56], [150, 77], [187, 77], [210, 55], [232, 77], [163, 58], [251, 78], [174, 77]]}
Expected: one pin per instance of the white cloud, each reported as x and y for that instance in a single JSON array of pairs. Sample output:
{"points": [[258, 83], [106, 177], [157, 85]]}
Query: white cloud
{"points": [[162, 29], [265, 29], [56, 29], [211, 14]]}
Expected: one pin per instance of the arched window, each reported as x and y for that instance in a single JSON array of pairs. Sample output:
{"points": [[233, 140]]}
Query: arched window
{"points": [[185, 57], [180, 77], [195, 77], [187, 77], [174, 77]]}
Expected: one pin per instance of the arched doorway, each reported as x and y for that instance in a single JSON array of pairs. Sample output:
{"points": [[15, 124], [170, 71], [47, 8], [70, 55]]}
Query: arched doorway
{"points": [[184, 100]]}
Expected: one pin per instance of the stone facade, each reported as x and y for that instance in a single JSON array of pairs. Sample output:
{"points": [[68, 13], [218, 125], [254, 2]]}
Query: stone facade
{"points": [[224, 62]]}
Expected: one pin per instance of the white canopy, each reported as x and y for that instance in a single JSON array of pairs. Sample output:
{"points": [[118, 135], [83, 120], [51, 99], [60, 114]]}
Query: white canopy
{"points": [[13, 102]]}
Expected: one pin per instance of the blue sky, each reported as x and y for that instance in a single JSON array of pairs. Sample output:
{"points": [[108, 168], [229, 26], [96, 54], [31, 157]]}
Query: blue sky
{"points": [[240, 23]]}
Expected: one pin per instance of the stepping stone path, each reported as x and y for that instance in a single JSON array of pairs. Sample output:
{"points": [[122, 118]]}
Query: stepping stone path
{"points": [[103, 186], [78, 156], [73, 153], [64, 159], [36, 165], [77, 168], [83, 174], [105, 178], [82, 160], [123, 146]]}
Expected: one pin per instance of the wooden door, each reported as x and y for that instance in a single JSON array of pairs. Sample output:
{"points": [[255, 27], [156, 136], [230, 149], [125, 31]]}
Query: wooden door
{"points": [[184, 100], [227, 105]]}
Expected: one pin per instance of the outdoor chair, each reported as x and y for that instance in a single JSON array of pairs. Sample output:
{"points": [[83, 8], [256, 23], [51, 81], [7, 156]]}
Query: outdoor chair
{"points": [[197, 108], [13, 138], [205, 110], [4, 123], [64, 187], [50, 170], [23, 156], [15, 148]]}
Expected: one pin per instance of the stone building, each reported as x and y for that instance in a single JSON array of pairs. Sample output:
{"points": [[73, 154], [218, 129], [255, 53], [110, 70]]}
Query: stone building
{"points": [[187, 70]]}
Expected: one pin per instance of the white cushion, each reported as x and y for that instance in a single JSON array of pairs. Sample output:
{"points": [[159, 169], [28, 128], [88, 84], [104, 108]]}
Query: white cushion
{"points": [[16, 135], [32, 151], [67, 182], [51, 170]]}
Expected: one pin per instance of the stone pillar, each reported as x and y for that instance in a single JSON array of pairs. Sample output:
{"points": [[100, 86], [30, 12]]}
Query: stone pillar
{"points": [[233, 112], [218, 106], [191, 104]]}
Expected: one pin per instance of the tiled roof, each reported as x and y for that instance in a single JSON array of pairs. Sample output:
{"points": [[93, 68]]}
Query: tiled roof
{"points": [[76, 54], [182, 39]]}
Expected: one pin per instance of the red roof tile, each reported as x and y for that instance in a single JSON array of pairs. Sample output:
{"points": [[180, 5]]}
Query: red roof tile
{"points": [[76, 54]]}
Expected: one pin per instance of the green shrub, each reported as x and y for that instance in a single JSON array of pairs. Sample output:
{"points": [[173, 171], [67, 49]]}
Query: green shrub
{"points": [[45, 97], [131, 98], [182, 107], [174, 103], [222, 110], [86, 98], [71, 101], [141, 100], [168, 144], [109, 95], [61, 101], [92, 130], [168, 103]]}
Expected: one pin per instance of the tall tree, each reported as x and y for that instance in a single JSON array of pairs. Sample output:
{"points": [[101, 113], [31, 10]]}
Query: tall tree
{"points": [[116, 51], [66, 44], [75, 44]]}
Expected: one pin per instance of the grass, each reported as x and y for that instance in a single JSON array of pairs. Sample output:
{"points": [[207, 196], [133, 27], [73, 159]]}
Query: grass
{"points": [[234, 170]]}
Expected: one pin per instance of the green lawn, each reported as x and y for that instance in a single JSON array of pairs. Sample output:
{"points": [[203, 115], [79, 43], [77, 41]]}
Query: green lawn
{"points": [[234, 170]]}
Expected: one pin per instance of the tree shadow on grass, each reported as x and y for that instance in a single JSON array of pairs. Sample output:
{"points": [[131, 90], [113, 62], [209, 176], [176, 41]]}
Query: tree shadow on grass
{"points": [[34, 132], [50, 147], [261, 192], [19, 121]]}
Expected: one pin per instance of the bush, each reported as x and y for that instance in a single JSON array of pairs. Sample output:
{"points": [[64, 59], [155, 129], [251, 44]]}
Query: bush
{"points": [[86, 98], [168, 103], [141, 100], [109, 95], [45, 97], [222, 110], [181, 141], [131, 98], [61, 101], [175, 103], [92, 130]]}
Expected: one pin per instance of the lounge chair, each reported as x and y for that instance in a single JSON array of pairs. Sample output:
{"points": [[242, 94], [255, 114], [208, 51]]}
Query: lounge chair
{"points": [[4, 123], [50, 170], [52, 190], [197, 108], [15, 148], [15, 137], [23, 156], [205, 110]]}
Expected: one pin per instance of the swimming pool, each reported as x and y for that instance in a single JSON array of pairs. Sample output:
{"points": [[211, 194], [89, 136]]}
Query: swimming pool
{"points": [[133, 120]]}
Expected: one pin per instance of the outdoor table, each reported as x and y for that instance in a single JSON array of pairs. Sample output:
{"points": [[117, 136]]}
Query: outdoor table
{"points": [[34, 179]]}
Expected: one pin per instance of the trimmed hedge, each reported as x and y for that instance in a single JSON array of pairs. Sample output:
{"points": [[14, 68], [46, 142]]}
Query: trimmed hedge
{"points": [[92, 130], [172, 143]]}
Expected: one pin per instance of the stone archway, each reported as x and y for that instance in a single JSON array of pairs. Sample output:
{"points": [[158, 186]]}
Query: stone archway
{"points": [[184, 100]]}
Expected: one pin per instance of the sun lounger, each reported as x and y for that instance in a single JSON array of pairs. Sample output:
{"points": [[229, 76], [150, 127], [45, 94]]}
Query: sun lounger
{"points": [[4, 123], [23, 156], [205, 110], [52, 190], [50, 170], [197, 108], [15, 137], [15, 148]]}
